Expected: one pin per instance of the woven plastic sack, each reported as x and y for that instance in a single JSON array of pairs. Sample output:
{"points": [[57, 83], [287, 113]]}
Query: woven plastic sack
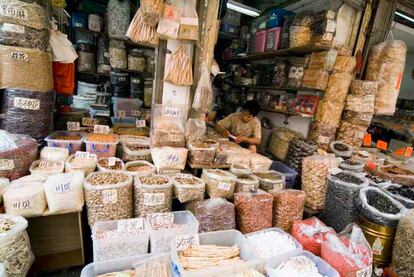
{"points": [[169, 158], [368, 208], [25, 196], [29, 14], [340, 199], [188, 187], [219, 183], [349, 252], [16, 255], [311, 233], [45, 168], [64, 192], [108, 196], [213, 214], [253, 211]]}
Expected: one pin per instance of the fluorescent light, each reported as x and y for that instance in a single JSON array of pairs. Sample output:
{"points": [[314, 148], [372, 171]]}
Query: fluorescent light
{"points": [[238, 7], [403, 16]]}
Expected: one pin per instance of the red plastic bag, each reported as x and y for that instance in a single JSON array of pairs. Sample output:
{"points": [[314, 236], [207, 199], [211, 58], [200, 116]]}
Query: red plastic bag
{"points": [[64, 78], [349, 252], [311, 233]]}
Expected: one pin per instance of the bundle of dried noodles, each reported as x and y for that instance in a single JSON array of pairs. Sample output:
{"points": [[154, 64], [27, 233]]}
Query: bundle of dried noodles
{"points": [[205, 256], [179, 70], [152, 11], [140, 32]]}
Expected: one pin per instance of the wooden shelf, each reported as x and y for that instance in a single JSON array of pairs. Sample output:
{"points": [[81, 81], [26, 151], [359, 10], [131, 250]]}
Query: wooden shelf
{"points": [[229, 36], [283, 88], [302, 50], [287, 113]]}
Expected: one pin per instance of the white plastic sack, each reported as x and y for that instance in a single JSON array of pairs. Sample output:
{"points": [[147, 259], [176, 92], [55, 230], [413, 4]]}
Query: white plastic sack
{"points": [[54, 154], [64, 192]]}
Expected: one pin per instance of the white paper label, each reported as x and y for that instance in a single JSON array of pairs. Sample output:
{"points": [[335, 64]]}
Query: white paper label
{"points": [[82, 155], [136, 81], [136, 113], [224, 186], [323, 139], [327, 37], [160, 220], [109, 196], [121, 113], [26, 103], [130, 224], [19, 56], [377, 247], [15, 12], [369, 85], [88, 121], [22, 205], [183, 242], [73, 126], [181, 175], [331, 26], [140, 123], [62, 188], [278, 186], [366, 117], [334, 170], [49, 165], [248, 188], [111, 161], [171, 111], [6, 164], [154, 199], [13, 28], [101, 129], [366, 272], [364, 153]]}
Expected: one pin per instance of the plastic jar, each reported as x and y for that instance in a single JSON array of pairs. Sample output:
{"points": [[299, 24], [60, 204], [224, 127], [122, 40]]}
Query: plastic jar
{"points": [[136, 60], [86, 60]]}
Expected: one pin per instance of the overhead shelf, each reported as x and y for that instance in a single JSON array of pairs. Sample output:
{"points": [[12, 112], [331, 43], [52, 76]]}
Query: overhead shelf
{"points": [[287, 113], [302, 50], [283, 88]]}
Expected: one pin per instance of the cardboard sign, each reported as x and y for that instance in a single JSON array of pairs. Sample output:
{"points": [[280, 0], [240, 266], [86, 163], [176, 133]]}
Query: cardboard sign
{"points": [[160, 220], [382, 145], [73, 126], [367, 139]]}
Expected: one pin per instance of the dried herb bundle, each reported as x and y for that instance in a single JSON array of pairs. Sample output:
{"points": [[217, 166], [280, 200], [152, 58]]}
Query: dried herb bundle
{"points": [[140, 32], [179, 70]]}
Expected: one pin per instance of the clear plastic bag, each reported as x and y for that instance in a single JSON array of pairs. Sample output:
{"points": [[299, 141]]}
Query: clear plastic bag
{"points": [[315, 79], [322, 134], [213, 214], [64, 192], [26, 37], [153, 194], [45, 168], [179, 70], [341, 149], [195, 130], [158, 266], [337, 89], [403, 249], [357, 118], [248, 183], [168, 125], [288, 206], [135, 149], [202, 152], [297, 67], [25, 196], [25, 13], [351, 134], [362, 88], [340, 197], [386, 65], [362, 104], [253, 211], [169, 23], [110, 164], [349, 252], [323, 60], [404, 195], [118, 18], [329, 112], [271, 180], [139, 168], [259, 163], [188, 188], [344, 64], [240, 170], [169, 158], [54, 154], [219, 183], [298, 150], [311, 233], [397, 174], [314, 179], [379, 207], [152, 11], [189, 22], [352, 165], [279, 142], [117, 54], [203, 98]]}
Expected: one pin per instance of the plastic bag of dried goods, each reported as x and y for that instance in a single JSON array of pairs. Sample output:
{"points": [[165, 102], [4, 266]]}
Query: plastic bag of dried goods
{"points": [[311, 233], [271, 180], [379, 207], [54, 154], [188, 187], [169, 158], [64, 192], [404, 195], [403, 249], [219, 183], [195, 130], [349, 252], [288, 205], [352, 165]]}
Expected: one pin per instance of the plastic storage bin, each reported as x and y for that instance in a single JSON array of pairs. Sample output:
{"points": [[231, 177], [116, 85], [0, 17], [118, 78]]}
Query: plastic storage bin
{"points": [[79, 20], [160, 239], [101, 149], [273, 38], [71, 145], [98, 268], [277, 17], [220, 238], [289, 173], [260, 41], [323, 267], [118, 247]]}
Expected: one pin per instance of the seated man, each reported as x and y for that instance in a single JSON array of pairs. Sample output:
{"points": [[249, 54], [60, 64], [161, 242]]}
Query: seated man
{"points": [[244, 126]]}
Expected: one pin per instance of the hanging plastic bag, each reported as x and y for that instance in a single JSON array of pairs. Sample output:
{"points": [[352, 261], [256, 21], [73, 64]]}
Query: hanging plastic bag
{"points": [[203, 98], [179, 69], [189, 22], [169, 23]]}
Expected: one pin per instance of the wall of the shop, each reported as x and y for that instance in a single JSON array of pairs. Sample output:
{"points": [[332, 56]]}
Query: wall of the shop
{"points": [[407, 85]]}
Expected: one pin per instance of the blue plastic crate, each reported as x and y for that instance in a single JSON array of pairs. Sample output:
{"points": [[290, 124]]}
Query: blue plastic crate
{"points": [[277, 17], [289, 173]]}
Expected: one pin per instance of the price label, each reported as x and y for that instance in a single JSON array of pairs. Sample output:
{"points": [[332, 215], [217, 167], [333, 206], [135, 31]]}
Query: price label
{"points": [[367, 139], [130, 224], [399, 152], [101, 129], [15, 12], [13, 28], [82, 155], [19, 56], [331, 26], [323, 139], [22, 205], [183, 242], [172, 158], [140, 123], [160, 220], [109, 196], [371, 166], [153, 199], [335, 170], [121, 113], [136, 113], [366, 272], [111, 161], [49, 165], [408, 151], [382, 145], [62, 188], [377, 247], [26, 103], [6, 164], [223, 186], [181, 175], [73, 126], [248, 188], [88, 121], [364, 153], [171, 111], [136, 81]]}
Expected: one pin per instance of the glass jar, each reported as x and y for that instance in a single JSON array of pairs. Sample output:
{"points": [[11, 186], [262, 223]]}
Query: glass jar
{"points": [[136, 60], [86, 60], [117, 54], [148, 83]]}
